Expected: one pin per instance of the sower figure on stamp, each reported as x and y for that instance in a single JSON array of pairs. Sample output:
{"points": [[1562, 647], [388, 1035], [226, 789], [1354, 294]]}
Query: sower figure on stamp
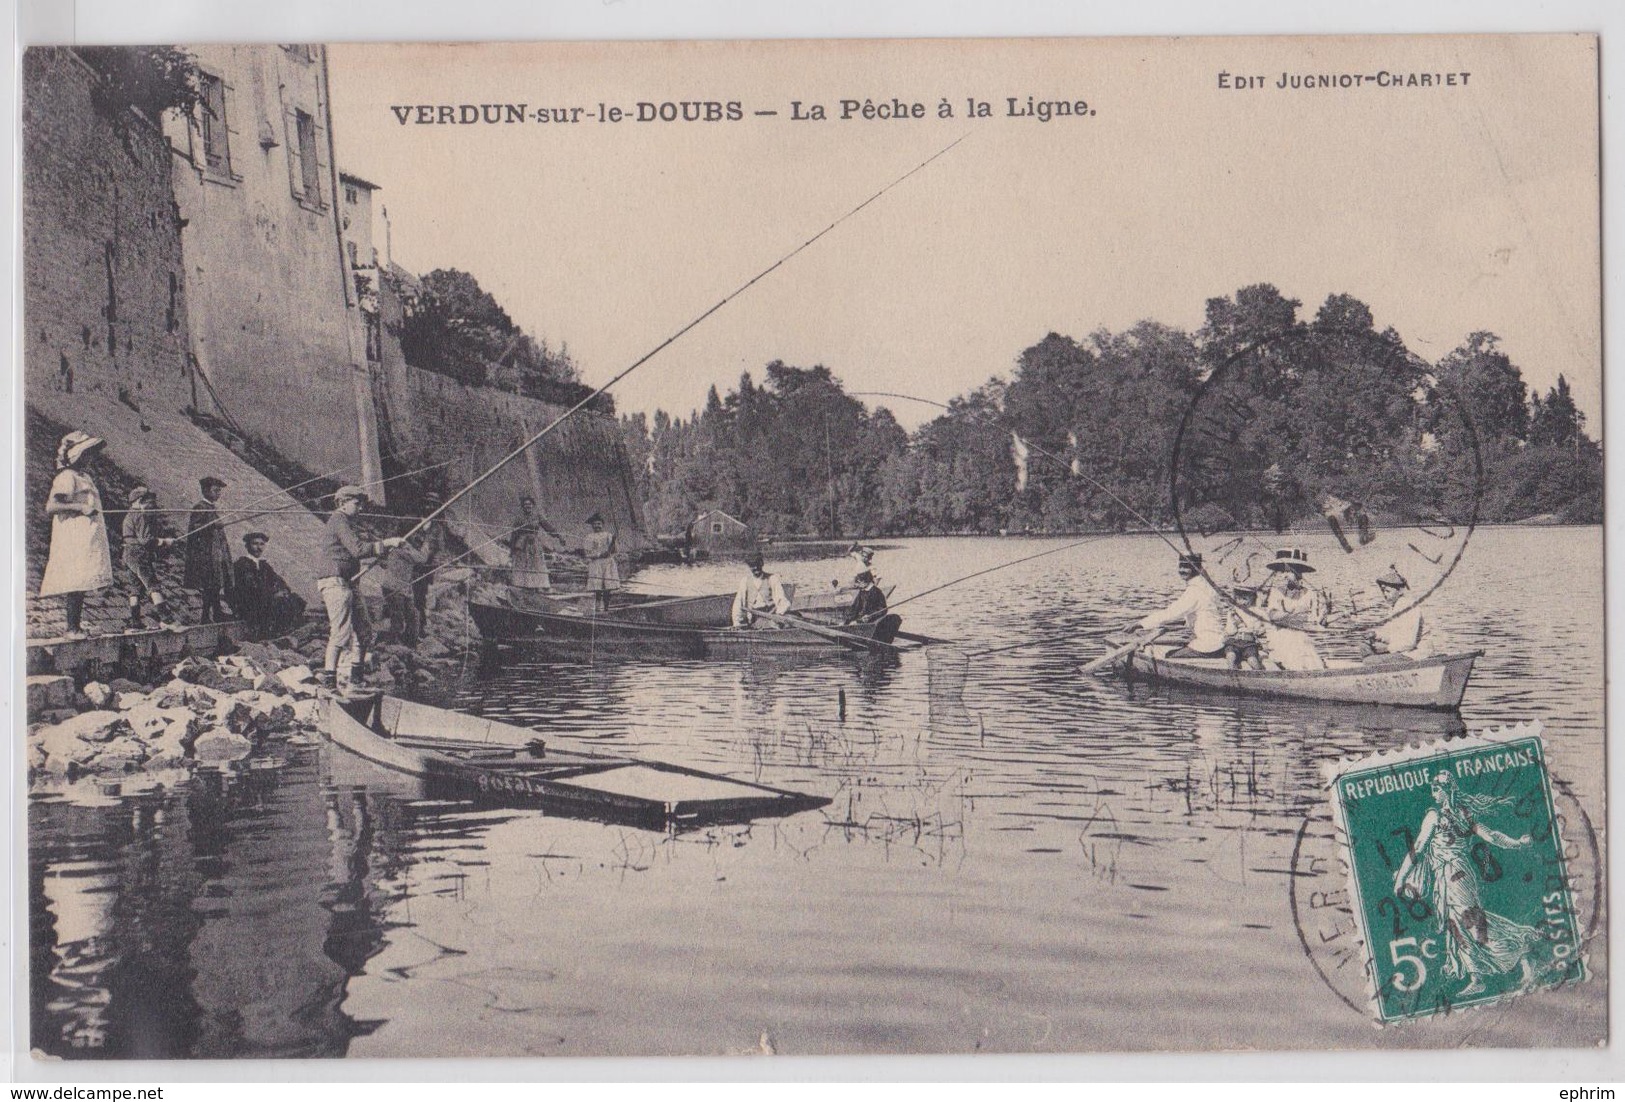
{"points": [[260, 595], [142, 541], [80, 561], [1439, 869], [603, 575], [208, 555], [342, 552], [1404, 639], [1200, 607]]}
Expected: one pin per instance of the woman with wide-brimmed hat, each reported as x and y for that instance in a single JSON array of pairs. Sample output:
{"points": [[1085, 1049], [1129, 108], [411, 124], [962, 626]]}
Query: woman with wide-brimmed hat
{"points": [[1291, 609], [80, 561]]}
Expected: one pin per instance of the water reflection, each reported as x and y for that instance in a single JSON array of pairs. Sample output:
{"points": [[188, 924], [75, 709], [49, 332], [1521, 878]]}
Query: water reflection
{"points": [[1003, 835]]}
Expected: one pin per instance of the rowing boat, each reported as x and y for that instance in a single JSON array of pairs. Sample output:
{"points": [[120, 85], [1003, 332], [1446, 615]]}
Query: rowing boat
{"points": [[468, 756], [710, 610], [613, 632], [1437, 683]]}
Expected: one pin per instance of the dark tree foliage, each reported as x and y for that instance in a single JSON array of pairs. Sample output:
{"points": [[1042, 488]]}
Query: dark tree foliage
{"points": [[457, 328], [1303, 412], [153, 79]]}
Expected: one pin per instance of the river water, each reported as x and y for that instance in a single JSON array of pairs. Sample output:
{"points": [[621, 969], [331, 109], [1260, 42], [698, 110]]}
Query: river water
{"points": [[1036, 862]]}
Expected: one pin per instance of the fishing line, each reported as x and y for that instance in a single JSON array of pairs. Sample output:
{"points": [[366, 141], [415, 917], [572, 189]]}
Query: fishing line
{"points": [[1000, 566], [520, 450]]}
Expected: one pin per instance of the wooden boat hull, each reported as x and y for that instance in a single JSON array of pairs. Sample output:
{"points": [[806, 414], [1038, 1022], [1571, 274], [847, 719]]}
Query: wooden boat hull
{"points": [[1436, 683], [612, 633], [500, 768]]}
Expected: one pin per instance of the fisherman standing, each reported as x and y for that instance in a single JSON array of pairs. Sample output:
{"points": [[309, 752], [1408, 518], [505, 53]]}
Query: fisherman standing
{"points": [[1292, 609], [1405, 638], [527, 561], [436, 548], [208, 555], [80, 561], [603, 575], [142, 541], [342, 552], [759, 592], [1200, 607]]}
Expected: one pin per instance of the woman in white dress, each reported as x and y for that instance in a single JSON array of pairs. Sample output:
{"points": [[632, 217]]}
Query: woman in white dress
{"points": [[1291, 609], [80, 561]]}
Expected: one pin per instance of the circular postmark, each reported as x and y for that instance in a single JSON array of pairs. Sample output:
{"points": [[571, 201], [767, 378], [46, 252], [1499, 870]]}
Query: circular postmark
{"points": [[1336, 449], [1322, 904]]}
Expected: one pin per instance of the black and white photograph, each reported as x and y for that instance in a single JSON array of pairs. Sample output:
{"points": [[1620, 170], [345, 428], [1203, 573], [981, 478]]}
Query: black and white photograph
{"points": [[812, 547]]}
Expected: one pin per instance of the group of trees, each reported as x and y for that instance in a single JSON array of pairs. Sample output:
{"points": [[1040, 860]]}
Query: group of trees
{"points": [[1279, 412], [455, 327]]}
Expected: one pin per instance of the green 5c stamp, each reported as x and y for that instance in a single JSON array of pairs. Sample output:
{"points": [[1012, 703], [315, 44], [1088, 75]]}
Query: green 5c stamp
{"points": [[1457, 873]]}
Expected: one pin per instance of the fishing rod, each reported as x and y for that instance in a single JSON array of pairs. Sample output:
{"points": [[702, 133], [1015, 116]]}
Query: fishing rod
{"points": [[646, 357], [1000, 566]]}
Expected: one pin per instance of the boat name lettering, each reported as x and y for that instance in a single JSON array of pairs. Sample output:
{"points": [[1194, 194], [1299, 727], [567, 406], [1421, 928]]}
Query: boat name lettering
{"points": [[489, 782]]}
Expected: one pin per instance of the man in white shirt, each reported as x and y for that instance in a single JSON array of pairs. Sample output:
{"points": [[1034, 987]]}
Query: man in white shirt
{"points": [[759, 592], [1406, 637], [1200, 607]]}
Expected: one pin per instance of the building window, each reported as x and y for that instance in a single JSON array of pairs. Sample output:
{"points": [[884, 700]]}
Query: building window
{"points": [[212, 123], [716, 528], [375, 336], [354, 262], [309, 171], [350, 195]]}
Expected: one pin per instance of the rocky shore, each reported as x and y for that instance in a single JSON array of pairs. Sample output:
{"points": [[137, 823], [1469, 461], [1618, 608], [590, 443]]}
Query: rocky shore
{"points": [[214, 712]]}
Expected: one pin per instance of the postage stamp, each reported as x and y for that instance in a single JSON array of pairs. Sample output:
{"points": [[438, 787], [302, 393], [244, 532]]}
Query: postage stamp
{"points": [[1457, 873]]}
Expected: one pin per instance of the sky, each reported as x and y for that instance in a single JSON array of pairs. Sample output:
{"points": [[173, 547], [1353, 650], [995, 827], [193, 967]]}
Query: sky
{"points": [[1447, 209]]}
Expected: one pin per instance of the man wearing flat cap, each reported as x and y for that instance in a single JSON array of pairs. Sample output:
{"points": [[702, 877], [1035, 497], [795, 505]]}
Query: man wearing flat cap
{"points": [[208, 555], [342, 552], [260, 595]]}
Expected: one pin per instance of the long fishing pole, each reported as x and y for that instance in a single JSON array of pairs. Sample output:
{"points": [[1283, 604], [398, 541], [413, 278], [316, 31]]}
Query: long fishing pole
{"points": [[646, 357], [1000, 566]]}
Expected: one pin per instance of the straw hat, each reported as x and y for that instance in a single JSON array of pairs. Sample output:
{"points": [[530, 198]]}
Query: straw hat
{"points": [[1292, 558]]}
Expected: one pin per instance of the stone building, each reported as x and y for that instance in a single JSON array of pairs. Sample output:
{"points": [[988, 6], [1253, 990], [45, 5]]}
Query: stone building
{"points": [[273, 304]]}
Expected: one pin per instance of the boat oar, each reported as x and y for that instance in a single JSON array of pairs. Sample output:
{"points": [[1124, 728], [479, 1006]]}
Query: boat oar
{"points": [[923, 640], [1133, 645], [839, 636]]}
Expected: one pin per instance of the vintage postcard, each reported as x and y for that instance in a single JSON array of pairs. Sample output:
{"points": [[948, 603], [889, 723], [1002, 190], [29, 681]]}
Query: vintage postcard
{"points": [[813, 547]]}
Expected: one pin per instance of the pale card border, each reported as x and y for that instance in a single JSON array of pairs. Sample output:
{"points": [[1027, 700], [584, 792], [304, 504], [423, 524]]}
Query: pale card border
{"points": [[112, 21]]}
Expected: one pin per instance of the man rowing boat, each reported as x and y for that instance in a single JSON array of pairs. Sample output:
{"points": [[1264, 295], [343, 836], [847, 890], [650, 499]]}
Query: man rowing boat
{"points": [[759, 592], [1200, 607]]}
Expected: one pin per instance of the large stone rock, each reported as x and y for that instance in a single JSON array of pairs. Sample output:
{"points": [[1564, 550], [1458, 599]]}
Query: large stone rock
{"points": [[298, 679], [99, 695], [220, 745], [307, 711], [125, 753], [97, 726], [195, 671], [47, 692], [126, 700], [64, 749], [148, 721]]}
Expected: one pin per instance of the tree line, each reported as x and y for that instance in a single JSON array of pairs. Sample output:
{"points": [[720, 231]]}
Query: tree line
{"points": [[1309, 407]]}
